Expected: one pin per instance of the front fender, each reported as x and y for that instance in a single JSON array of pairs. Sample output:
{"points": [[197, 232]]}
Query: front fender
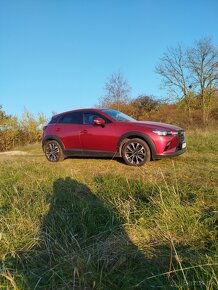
{"points": [[135, 134]]}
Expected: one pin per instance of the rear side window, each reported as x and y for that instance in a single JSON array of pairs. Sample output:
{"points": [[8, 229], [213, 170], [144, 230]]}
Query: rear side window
{"points": [[72, 118], [54, 120]]}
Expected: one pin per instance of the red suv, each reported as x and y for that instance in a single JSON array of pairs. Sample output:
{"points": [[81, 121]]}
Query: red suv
{"points": [[109, 133]]}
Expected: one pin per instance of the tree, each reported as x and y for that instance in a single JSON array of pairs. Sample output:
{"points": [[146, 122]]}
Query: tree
{"points": [[176, 77], [172, 68], [143, 105], [117, 91], [190, 73], [203, 64]]}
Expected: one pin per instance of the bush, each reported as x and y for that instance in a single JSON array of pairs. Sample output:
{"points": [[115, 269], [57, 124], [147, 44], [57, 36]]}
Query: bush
{"points": [[14, 133]]}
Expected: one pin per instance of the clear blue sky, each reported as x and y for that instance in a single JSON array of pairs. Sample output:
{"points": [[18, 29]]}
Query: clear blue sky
{"points": [[55, 55]]}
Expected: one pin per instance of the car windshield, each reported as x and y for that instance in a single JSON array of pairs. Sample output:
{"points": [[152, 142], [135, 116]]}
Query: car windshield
{"points": [[118, 116]]}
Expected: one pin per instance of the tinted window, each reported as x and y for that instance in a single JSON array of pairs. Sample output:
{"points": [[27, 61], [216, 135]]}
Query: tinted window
{"points": [[54, 120], [89, 118], [72, 118]]}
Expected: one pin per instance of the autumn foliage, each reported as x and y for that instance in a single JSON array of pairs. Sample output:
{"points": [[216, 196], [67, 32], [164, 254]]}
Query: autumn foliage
{"points": [[148, 108], [14, 132]]}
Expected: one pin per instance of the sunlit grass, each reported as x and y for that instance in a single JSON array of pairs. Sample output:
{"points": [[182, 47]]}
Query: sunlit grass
{"points": [[99, 224]]}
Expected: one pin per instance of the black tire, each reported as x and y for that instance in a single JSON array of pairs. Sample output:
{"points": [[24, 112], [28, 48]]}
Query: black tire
{"points": [[136, 152], [53, 151]]}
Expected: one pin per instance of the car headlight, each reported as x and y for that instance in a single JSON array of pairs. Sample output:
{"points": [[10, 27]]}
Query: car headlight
{"points": [[162, 132]]}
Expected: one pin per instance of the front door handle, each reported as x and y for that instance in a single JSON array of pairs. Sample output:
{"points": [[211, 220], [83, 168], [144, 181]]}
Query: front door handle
{"points": [[84, 132]]}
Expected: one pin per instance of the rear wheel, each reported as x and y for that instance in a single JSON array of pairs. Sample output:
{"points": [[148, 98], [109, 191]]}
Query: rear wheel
{"points": [[135, 152], [53, 151]]}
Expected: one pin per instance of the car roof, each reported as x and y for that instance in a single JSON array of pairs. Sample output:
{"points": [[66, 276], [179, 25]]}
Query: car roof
{"points": [[82, 110]]}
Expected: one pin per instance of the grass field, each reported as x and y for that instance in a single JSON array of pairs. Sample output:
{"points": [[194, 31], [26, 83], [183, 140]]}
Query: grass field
{"points": [[99, 224]]}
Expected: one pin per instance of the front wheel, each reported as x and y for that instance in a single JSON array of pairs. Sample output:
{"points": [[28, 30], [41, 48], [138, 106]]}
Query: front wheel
{"points": [[53, 151], [135, 152]]}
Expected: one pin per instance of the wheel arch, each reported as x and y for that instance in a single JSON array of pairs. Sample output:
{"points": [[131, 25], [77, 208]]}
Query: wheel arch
{"points": [[135, 134], [50, 138]]}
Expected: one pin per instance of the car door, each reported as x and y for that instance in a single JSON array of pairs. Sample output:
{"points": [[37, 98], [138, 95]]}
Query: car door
{"points": [[97, 138], [68, 130]]}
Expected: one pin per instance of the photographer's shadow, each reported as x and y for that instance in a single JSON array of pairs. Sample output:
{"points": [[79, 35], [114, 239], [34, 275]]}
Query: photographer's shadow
{"points": [[82, 245]]}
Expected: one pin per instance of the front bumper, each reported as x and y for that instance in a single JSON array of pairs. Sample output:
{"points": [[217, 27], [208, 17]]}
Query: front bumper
{"points": [[176, 153]]}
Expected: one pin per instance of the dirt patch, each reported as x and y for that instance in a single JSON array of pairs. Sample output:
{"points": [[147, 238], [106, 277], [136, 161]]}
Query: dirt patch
{"points": [[12, 153]]}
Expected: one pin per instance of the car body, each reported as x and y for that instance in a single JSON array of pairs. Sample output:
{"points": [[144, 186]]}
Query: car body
{"points": [[110, 133]]}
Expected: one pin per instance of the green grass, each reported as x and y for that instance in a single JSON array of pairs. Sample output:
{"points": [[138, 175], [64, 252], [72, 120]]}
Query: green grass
{"points": [[99, 224]]}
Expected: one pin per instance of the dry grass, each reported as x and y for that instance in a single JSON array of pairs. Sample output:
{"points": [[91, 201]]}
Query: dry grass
{"points": [[99, 224]]}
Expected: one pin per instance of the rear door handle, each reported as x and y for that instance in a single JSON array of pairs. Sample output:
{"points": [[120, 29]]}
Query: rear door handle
{"points": [[57, 129], [84, 132]]}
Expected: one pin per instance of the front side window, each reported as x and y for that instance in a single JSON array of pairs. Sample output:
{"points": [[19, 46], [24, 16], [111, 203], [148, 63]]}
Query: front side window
{"points": [[89, 118]]}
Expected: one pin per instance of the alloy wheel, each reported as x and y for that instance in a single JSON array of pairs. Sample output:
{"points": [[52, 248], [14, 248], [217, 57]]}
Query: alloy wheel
{"points": [[52, 151], [135, 153]]}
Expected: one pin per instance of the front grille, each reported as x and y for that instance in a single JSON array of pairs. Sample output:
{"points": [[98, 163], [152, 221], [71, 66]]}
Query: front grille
{"points": [[181, 136]]}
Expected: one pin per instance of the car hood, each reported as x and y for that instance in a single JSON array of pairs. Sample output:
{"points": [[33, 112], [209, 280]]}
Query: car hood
{"points": [[156, 125]]}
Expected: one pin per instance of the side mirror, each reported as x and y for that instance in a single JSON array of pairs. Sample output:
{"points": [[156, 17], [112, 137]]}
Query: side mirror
{"points": [[99, 122]]}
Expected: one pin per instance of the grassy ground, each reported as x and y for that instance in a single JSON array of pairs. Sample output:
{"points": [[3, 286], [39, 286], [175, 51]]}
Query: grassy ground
{"points": [[99, 224]]}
